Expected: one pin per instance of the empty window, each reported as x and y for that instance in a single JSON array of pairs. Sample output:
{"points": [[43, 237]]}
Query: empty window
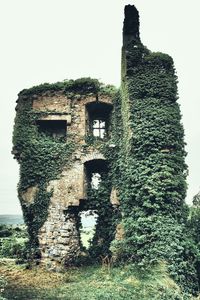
{"points": [[98, 119], [95, 171], [53, 128], [99, 128]]}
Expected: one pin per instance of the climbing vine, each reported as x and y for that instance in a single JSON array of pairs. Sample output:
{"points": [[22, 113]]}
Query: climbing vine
{"points": [[149, 160], [41, 160], [98, 200]]}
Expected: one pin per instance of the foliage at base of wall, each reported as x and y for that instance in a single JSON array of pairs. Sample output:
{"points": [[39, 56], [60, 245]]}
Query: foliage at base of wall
{"points": [[13, 241], [194, 229], [154, 238], [90, 282]]}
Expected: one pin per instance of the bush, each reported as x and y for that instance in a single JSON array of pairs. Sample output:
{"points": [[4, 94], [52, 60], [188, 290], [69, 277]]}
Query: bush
{"points": [[12, 247], [3, 284], [5, 231], [194, 229], [13, 240]]}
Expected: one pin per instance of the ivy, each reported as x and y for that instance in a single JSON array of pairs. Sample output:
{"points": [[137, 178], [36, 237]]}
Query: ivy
{"points": [[98, 200], [41, 159], [82, 86], [36, 214], [148, 167]]}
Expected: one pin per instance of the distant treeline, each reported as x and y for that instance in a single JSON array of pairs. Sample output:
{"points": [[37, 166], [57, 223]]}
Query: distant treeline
{"points": [[11, 219]]}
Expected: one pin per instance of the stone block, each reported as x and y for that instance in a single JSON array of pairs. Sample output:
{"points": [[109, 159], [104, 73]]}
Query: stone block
{"points": [[29, 195]]}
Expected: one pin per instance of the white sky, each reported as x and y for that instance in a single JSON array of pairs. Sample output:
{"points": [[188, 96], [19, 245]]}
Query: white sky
{"points": [[52, 40]]}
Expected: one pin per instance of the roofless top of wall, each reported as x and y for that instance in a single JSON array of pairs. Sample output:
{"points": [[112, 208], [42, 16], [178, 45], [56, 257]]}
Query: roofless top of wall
{"points": [[131, 24]]}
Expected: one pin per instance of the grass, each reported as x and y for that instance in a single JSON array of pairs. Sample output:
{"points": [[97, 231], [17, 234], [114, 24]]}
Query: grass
{"points": [[91, 282], [87, 282]]}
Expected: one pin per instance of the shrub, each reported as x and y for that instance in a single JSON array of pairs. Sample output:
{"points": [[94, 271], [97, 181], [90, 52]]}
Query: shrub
{"points": [[13, 248]]}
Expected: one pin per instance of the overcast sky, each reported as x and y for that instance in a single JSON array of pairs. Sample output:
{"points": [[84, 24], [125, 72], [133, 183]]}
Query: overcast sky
{"points": [[52, 40]]}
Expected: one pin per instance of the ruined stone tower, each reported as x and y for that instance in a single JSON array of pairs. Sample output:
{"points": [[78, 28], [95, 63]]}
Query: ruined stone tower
{"points": [[73, 119], [84, 146]]}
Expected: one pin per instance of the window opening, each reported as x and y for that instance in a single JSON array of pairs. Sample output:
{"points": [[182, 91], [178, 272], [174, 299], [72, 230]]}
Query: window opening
{"points": [[99, 128], [95, 171], [53, 128], [98, 119], [95, 180], [88, 225]]}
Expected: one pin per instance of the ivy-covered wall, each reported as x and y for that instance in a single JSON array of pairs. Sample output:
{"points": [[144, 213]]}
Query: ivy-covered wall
{"points": [[53, 189], [150, 159]]}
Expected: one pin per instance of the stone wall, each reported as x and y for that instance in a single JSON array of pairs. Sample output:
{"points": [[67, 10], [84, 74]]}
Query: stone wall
{"points": [[74, 111], [52, 102], [59, 237]]}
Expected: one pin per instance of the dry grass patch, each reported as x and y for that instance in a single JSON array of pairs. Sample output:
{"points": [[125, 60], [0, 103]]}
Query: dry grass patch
{"points": [[37, 277]]}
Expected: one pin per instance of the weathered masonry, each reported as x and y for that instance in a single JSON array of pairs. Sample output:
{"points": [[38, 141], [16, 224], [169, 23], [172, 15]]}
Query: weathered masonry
{"points": [[119, 154], [75, 125]]}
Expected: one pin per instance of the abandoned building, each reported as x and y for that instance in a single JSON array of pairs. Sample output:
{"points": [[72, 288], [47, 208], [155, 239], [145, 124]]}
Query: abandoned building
{"points": [[79, 144]]}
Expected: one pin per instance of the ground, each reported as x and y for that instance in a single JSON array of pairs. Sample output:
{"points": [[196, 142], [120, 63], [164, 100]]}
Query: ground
{"points": [[89, 282]]}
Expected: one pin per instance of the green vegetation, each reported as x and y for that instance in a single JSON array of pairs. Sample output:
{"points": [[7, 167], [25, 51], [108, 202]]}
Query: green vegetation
{"points": [[148, 167], [99, 202], [81, 86], [194, 229], [13, 241], [97, 282], [105, 281], [42, 157]]}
